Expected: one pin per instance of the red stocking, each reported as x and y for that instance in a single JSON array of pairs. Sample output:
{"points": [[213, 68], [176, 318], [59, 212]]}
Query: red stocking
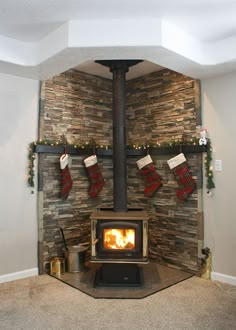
{"points": [[67, 181], [152, 179], [183, 176], [95, 175]]}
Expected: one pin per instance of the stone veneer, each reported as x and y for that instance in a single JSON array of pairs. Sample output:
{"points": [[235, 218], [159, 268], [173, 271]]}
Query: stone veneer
{"points": [[160, 106]]}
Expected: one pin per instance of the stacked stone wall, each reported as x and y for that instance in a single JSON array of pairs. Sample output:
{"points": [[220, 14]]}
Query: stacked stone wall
{"points": [[160, 106]]}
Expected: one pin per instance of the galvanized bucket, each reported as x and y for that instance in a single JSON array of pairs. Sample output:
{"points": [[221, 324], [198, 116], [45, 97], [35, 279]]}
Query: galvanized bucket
{"points": [[75, 257]]}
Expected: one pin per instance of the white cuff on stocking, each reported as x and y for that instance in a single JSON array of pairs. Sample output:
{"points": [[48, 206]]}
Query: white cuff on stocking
{"points": [[175, 161], [144, 161], [90, 161], [64, 161]]}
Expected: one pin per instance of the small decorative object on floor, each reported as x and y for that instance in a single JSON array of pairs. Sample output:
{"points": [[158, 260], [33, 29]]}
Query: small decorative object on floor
{"points": [[67, 181], [152, 179], [207, 264], [183, 176], [95, 175], [57, 266]]}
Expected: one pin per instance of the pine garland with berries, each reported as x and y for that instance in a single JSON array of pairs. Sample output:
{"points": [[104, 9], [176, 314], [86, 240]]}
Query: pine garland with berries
{"points": [[31, 158], [208, 167]]}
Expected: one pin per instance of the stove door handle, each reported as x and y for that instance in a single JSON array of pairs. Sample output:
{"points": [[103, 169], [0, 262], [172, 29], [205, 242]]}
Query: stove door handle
{"points": [[95, 241]]}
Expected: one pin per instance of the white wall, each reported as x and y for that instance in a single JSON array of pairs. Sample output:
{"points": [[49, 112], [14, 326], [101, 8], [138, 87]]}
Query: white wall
{"points": [[18, 218], [219, 117]]}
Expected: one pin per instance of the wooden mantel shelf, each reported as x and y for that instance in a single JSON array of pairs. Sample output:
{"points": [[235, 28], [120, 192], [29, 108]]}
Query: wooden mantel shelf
{"points": [[186, 149]]}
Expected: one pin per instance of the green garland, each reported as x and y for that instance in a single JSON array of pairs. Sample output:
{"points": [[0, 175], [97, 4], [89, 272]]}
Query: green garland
{"points": [[91, 144], [209, 170], [31, 158]]}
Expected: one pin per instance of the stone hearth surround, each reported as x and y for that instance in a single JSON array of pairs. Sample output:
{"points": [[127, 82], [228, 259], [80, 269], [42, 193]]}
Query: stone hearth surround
{"points": [[160, 106]]}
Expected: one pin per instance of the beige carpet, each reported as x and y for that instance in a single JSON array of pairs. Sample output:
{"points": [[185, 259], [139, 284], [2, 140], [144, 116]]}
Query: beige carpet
{"points": [[43, 302]]}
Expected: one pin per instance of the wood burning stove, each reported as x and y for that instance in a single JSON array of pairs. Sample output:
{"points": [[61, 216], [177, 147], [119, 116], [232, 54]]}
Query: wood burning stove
{"points": [[119, 237]]}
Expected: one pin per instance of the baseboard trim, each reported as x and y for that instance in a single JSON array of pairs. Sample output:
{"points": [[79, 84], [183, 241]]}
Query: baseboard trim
{"points": [[19, 275], [223, 278]]}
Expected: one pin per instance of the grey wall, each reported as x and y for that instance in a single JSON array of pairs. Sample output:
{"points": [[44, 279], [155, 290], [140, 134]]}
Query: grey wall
{"points": [[219, 115], [18, 221]]}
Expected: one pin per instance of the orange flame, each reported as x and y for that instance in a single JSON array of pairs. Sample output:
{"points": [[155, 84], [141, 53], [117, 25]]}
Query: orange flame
{"points": [[119, 238]]}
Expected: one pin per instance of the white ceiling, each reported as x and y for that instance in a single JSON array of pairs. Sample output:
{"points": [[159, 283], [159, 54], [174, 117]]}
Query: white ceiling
{"points": [[40, 38]]}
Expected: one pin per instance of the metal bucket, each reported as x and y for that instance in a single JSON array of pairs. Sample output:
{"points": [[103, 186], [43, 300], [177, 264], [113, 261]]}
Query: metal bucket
{"points": [[75, 257]]}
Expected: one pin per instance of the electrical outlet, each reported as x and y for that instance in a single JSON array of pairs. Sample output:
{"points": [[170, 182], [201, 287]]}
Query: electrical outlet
{"points": [[218, 165], [171, 213]]}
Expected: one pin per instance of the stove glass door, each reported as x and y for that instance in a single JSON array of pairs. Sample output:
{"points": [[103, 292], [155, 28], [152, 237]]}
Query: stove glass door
{"points": [[119, 238]]}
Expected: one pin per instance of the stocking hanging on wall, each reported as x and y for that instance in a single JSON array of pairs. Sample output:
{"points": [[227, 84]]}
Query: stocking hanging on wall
{"points": [[67, 181], [152, 179], [179, 167], [95, 175]]}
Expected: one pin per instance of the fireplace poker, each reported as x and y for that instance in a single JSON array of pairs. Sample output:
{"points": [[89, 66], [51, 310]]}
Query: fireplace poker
{"points": [[63, 237]]}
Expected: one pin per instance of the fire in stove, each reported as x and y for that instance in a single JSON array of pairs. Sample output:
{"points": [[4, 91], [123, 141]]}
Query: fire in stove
{"points": [[119, 238]]}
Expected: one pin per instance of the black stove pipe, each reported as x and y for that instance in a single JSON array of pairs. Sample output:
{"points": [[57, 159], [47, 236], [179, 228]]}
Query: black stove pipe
{"points": [[119, 137], [119, 69]]}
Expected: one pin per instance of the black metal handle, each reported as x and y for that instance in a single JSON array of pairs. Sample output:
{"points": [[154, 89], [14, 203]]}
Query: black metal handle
{"points": [[63, 237]]}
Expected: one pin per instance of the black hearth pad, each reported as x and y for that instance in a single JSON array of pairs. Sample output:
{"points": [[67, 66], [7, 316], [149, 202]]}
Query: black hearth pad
{"points": [[156, 278], [119, 275]]}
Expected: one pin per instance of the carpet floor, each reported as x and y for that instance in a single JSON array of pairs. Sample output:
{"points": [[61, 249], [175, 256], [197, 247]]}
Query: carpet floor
{"points": [[43, 302]]}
